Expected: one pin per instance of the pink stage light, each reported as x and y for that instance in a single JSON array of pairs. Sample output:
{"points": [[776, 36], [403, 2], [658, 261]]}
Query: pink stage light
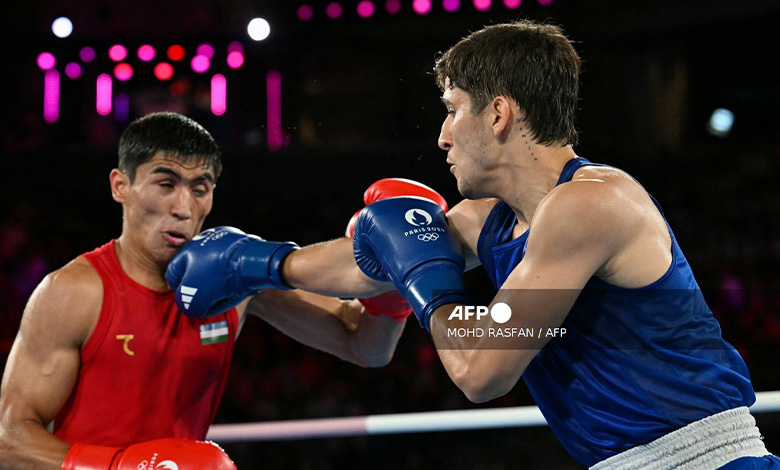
{"points": [[482, 5], [305, 12], [146, 53], [205, 50], [512, 4], [365, 9], [200, 64], [123, 72], [421, 7], [103, 94], [73, 70], [117, 53], [46, 61], [235, 60], [51, 96], [218, 95], [87, 54], [544, 2], [334, 10], [235, 46], [274, 109], [450, 5], [393, 6], [163, 71]]}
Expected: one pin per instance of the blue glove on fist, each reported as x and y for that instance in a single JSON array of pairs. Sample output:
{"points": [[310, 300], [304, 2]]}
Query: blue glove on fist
{"points": [[221, 267], [407, 240]]}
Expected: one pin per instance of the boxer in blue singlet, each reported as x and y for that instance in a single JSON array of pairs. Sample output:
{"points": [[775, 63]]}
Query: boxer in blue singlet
{"points": [[632, 371]]}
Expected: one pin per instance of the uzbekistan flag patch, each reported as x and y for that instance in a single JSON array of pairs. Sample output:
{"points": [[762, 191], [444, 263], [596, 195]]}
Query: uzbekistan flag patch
{"points": [[212, 333]]}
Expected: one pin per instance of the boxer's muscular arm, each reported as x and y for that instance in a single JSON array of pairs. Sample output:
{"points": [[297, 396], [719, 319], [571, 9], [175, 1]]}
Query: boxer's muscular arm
{"points": [[575, 232], [338, 327], [329, 268], [43, 366]]}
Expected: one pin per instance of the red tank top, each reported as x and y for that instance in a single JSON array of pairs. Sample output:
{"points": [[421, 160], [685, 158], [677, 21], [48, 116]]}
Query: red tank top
{"points": [[147, 371]]}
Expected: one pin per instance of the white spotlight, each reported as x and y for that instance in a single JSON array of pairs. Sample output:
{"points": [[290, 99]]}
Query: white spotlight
{"points": [[258, 29], [62, 27], [720, 122]]}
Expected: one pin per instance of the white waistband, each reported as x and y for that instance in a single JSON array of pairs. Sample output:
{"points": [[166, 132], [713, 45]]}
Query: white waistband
{"points": [[706, 444]]}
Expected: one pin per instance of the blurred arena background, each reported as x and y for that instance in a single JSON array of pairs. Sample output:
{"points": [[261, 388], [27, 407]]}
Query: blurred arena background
{"points": [[683, 95]]}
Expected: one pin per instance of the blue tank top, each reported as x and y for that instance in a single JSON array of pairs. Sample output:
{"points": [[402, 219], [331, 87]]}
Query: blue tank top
{"points": [[634, 364]]}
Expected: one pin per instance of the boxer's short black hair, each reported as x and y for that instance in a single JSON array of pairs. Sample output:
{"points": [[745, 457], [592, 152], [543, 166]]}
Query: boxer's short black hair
{"points": [[175, 136], [532, 63]]}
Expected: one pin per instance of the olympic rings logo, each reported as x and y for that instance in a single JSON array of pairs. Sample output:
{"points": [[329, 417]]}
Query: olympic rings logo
{"points": [[428, 237]]}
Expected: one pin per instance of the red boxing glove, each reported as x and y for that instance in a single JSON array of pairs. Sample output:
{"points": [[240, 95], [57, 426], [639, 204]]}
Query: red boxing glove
{"points": [[392, 304], [394, 187], [159, 454]]}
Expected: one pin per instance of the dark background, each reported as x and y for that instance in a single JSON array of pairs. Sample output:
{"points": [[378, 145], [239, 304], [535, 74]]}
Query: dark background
{"points": [[358, 105]]}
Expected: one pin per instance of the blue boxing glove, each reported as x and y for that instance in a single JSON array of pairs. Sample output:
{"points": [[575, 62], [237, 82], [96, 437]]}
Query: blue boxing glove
{"points": [[407, 240], [221, 267]]}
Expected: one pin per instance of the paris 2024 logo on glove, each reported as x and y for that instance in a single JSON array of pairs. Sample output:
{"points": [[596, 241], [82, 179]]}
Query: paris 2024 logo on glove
{"points": [[422, 220]]}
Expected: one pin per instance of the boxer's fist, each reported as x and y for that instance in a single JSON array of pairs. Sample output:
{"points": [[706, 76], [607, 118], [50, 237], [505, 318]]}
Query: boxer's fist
{"points": [[407, 240], [222, 266], [392, 304], [181, 454]]}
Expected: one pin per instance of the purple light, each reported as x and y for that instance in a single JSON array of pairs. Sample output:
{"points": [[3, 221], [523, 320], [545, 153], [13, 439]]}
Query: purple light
{"points": [[123, 72], [46, 61], [103, 94], [73, 70], [365, 9], [305, 12], [205, 50], [421, 7], [512, 4], [218, 95], [274, 109], [146, 53], [450, 5], [482, 5], [121, 107], [87, 54], [235, 60], [235, 46], [51, 96], [544, 2], [200, 63], [333, 10], [393, 6], [117, 53]]}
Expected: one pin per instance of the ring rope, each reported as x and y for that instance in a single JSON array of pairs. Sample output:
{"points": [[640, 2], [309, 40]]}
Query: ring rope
{"points": [[432, 421]]}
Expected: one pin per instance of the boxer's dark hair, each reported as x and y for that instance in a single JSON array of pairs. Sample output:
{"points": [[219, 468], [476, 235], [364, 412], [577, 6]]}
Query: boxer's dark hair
{"points": [[532, 63], [175, 136]]}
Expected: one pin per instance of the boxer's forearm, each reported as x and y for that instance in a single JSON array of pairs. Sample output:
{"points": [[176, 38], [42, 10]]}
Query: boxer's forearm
{"points": [[27, 445], [329, 268]]}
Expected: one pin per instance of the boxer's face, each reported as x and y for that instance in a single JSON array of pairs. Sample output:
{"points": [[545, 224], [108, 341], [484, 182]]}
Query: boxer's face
{"points": [[165, 206], [466, 138]]}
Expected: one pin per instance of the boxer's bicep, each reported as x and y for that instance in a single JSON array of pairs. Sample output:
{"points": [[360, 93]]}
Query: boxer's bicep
{"points": [[44, 361]]}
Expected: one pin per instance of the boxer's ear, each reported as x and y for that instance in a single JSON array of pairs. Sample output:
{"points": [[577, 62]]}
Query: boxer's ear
{"points": [[502, 115], [120, 183]]}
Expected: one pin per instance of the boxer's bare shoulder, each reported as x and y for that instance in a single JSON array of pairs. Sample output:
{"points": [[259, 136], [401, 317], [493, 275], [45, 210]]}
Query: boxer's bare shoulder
{"points": [[467, 219], [67, 301]]}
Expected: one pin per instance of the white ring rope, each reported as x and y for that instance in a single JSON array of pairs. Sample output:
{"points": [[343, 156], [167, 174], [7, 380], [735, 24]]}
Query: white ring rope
{"points": [[513, 417]]}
